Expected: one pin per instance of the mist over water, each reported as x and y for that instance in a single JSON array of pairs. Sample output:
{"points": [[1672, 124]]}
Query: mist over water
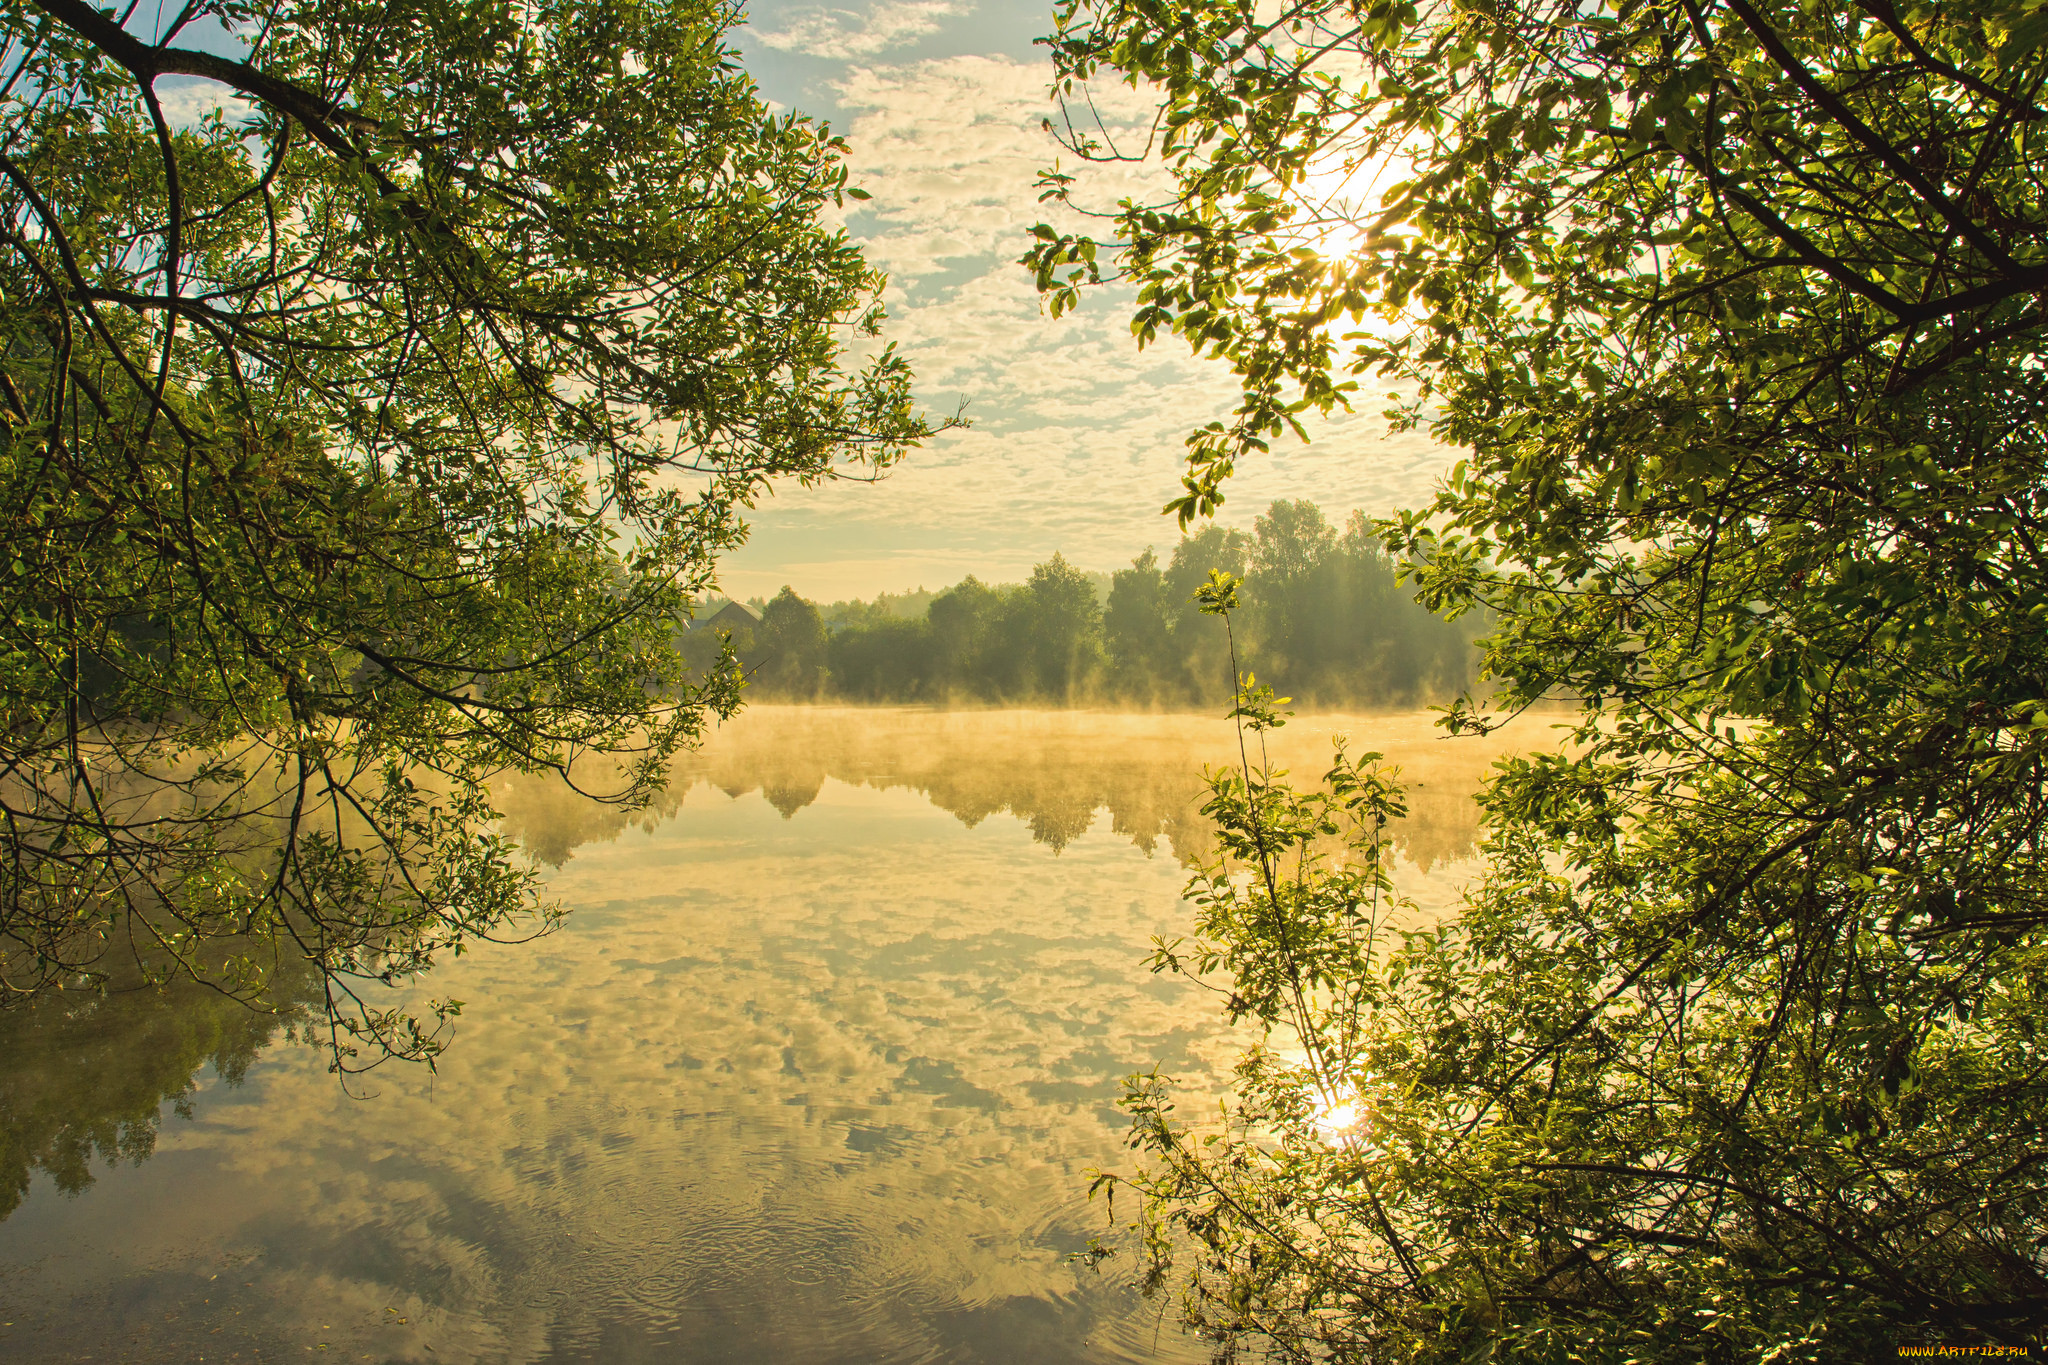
{"points": [[1057, 771], [814, 1072]]}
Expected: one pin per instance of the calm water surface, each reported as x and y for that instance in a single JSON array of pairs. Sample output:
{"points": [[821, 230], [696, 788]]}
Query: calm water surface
{"points": [[815, 1072]]}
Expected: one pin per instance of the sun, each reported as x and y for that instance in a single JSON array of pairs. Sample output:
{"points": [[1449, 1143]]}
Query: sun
{"points": [[1336, 200]]}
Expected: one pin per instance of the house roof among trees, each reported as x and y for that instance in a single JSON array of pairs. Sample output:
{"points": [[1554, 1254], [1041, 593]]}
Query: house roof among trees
{"points": [[732, 616]]}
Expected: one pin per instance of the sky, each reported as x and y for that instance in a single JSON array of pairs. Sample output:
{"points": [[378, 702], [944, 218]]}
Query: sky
{"points": [[1076, 436]]}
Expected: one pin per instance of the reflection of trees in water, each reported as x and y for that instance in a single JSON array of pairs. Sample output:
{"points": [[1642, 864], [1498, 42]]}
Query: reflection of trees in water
{"points": [[86, 1076], [1055, 771], [791, 797]]}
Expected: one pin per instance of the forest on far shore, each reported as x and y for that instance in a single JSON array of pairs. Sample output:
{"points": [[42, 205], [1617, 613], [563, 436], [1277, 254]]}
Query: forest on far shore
{"points": [[1325, 620]]}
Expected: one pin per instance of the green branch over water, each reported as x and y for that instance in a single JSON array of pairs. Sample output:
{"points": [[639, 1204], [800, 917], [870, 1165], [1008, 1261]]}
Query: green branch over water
{"points": [[369, 439], [1732, 311]]}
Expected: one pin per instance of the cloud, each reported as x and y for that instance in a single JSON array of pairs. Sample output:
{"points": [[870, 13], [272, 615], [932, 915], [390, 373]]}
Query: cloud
{"points": [[186, 103], [840, 34], [951, 149], [1078, 436], [862, 1058]]}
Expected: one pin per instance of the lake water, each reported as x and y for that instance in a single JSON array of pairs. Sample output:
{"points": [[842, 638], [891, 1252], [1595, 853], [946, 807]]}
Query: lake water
{"points": [[816, 1071]]}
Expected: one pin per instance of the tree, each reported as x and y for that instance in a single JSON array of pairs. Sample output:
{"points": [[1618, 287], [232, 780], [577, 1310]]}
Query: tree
{"points": [[1733, 307], [1060, 622], [1353, 632], [962, 619], [889, 659], [1361, 641], [1204, 659], [1291, 541], [791, 641], [372, 440], [1292, 545], [1136, 630]]}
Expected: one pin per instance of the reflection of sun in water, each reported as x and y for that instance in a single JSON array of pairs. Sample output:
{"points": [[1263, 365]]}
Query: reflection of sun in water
{"points": [[1336, 1115]]}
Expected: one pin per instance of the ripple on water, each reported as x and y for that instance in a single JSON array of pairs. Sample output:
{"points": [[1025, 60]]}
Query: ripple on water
{"points": [[809, 1085]]}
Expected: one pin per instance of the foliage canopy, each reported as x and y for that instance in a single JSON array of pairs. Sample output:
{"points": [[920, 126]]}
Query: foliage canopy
{"points": [[369, 439], [1735, 309]]}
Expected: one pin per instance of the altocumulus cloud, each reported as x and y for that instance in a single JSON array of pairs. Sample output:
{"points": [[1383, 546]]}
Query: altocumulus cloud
{"points": [[1078, 434], [840, 34], [187, 101]]}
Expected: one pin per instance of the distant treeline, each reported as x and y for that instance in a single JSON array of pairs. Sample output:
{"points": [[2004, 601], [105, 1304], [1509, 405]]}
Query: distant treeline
{"points": [[1324, 620]]}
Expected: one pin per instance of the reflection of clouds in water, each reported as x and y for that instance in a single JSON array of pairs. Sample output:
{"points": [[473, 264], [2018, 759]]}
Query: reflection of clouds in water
{"points": [[822, 1087]]}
